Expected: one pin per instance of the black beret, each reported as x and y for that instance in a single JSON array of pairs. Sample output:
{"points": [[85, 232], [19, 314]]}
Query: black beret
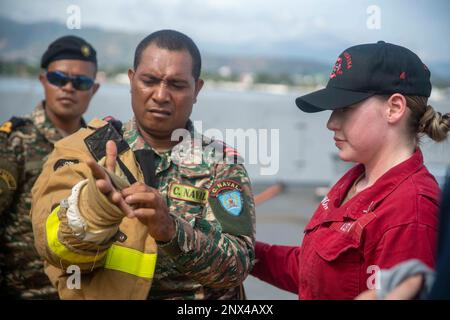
{"points": [[69, 47]]}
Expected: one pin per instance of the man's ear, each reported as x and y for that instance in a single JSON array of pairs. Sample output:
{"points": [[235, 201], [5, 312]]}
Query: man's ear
{"points": [[198, 86], [396, 108], [95, 88], [42, 77], [130, 74]]}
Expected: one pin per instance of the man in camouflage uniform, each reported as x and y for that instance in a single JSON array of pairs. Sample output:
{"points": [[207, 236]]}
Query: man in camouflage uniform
{"points": [[196, 205], [24, 146], [211, 252]]}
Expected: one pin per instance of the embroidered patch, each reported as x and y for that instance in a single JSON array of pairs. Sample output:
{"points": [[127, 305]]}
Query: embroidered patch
{"points": [[231, 201], [231, 207], [7, 127], [64, 162], [9, 179], [325, 202], [96, 141], [345, 227], [337, 69], [338, 66], [224, 185], [355, 228], [188, 193], [229, 194]]}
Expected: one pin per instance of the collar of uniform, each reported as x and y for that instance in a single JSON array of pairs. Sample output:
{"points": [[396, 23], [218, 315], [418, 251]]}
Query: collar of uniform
{"points": [[190, 152], [44, 125], [367, 200], [329, 209], [132, 136], [177, 153], [136, 142]]}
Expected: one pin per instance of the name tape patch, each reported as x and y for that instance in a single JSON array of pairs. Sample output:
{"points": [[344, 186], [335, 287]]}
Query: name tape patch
{"points": [[188, 193]]}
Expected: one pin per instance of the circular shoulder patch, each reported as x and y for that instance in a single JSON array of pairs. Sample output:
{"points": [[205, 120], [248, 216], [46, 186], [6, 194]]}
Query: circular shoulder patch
{"points": [[229, 195], [231, 201]]}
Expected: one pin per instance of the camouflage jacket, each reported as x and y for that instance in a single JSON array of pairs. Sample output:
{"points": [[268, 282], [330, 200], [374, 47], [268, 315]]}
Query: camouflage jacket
{"points": [[212, 203], [23, 153]]}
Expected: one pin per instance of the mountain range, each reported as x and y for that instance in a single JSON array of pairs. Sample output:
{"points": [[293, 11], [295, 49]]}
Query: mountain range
{"points": [[27, 41]]}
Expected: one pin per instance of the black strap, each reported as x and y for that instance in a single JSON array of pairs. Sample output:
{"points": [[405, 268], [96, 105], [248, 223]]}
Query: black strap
{"points": [[131, 179], [96, 143], [146, 159]]}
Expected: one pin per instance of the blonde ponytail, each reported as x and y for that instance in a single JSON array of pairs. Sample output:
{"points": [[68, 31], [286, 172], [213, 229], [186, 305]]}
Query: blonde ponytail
{"points": [[434, 124], [425, 120]]}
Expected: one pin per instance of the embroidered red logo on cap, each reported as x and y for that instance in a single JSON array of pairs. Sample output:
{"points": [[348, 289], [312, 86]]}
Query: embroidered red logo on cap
{"points": [[403, 75], [348, 60], [337, 69]]}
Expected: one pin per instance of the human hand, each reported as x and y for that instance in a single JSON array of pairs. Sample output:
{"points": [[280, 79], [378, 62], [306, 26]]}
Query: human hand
{"points": [[104, 183], [408, 289], [150, 208]]}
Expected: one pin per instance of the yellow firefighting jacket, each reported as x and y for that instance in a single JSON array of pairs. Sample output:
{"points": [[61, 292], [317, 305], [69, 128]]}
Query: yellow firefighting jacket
{"points": [[77, 229]]}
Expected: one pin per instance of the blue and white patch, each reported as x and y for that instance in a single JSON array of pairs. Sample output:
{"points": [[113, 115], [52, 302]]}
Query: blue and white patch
{"points": [[231, 205], [231, 201]]}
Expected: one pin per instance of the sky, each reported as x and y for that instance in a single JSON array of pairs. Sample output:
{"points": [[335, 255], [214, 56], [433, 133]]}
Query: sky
{"points": [[421, 25]]}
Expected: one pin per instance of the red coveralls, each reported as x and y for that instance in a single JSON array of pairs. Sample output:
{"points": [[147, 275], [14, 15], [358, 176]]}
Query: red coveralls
{"points": [[392, 221]]}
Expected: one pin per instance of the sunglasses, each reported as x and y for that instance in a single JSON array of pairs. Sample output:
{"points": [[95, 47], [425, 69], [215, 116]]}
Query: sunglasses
{"points": [[60, 79]]}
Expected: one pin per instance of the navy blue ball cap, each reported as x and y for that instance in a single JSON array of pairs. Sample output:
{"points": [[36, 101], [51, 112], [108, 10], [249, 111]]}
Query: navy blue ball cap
{"points": [[366, 70], [71, 48]]}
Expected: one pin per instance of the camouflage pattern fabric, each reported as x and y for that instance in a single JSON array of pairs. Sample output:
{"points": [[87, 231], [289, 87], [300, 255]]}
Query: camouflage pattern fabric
{"points": [[212, 203], [23, 153]]}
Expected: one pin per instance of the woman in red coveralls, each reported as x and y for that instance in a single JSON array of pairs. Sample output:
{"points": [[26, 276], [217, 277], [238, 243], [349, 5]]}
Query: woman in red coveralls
{"points": [[383, 210]]}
